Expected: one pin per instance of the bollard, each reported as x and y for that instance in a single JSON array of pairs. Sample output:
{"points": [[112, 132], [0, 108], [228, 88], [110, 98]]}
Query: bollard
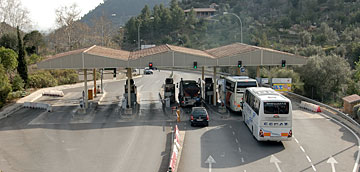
{"points": [[178, 115]]}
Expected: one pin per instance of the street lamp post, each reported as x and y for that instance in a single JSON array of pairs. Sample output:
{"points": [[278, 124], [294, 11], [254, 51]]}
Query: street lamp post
{"points": [[241, 32]]}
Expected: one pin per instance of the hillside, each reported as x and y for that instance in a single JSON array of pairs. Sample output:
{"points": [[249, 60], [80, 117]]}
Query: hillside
{"points": [[120, 11]]}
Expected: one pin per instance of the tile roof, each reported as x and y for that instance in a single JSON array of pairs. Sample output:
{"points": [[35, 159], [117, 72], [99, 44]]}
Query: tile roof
{"points": [[190, 51], [108, 52], [65, 54], [149, 51], [238, 48], [230, 50], [352, 98]]}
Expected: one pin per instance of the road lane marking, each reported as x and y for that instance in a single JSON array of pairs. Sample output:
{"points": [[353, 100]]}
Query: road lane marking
{"points": [[332, 161], [230, 126], [233, 133], [356, 136], [242, 159], [102, 97], [239, 149], [313, 167], [210, 160], [236, 140], [276, 161], [302, 149], [296, 141], [308, 158]]}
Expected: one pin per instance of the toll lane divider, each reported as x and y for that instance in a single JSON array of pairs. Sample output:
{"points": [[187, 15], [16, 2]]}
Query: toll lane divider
{"points": [[56, 93], [176, 149], [310, 106], [34, 105]]}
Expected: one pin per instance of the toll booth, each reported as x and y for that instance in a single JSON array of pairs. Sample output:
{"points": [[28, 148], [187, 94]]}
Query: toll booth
{"points": [[208, 90], [169, 89], [133, 92]]}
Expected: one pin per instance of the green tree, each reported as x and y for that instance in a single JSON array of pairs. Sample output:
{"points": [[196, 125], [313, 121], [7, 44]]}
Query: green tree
{"points": [[325, 75], [177, 15], [33, 41], [305, 38], [5, 87], [8, 58], [9, 41], [22, 67], [33, 59]]}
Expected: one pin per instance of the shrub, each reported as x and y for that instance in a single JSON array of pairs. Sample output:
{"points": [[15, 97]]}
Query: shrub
{"points": [[5, 87], [17, 83], [42, 79]]}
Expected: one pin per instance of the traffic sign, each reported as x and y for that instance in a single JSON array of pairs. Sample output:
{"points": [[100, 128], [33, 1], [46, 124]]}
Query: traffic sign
{"points": [[242, 69]]}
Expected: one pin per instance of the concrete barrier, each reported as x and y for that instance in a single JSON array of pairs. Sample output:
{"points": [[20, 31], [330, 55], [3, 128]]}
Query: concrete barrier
{"points": [[34, 105], [176, 150], [310, 106], [56, 93]]}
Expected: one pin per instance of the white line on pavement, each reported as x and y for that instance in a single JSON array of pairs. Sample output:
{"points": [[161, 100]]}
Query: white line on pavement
{"points": [[236, 140], [308, 158], [102, 97], [233, 133], [242, 159], [239, 149], [357, 161], [302, 149], [230, 126], [296, 140], [313, 167]]}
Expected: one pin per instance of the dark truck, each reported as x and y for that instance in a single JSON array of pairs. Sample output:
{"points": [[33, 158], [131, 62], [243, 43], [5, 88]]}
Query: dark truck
{"points": [[189, 93], [169, 89]]}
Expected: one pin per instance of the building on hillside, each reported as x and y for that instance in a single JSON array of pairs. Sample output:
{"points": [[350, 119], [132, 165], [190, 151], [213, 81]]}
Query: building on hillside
{"points": [[202, 12], [350, 102]]}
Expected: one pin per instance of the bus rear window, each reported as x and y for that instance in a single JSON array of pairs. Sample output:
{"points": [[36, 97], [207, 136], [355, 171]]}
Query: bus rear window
{"points": [[242, 85], [276, 107]]}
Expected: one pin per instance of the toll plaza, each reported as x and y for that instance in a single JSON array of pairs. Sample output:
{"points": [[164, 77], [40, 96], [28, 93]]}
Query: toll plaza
{"points": [[168, 56]]}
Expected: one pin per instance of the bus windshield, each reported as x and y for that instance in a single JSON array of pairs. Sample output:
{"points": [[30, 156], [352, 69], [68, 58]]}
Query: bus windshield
{"points": [[241, 86], [276, 107]]}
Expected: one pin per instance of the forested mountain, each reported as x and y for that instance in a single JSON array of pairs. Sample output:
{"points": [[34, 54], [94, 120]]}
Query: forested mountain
{"points": [[119, 11]]}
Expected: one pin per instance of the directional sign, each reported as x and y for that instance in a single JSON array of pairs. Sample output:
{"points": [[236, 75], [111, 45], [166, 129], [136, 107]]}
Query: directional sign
{"points": [[242, 69], [276, 161], [332, 161], [210, 160]]}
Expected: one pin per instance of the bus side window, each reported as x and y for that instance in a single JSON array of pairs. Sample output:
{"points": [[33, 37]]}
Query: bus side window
{"points": [[256, 106]]}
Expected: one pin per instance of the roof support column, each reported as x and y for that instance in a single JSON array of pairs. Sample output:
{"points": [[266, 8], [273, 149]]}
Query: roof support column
{"points": [[238, 71], [94, 75], [85, 89], [258, 71], [203, 73], [215, 93], [129, 86]]}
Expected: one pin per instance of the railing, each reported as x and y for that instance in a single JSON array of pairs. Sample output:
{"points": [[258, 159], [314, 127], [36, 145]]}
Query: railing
{"points": [[340, 116]]}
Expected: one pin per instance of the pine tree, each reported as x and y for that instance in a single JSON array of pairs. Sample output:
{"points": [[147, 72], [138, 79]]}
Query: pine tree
{"points": [[22, 67]]}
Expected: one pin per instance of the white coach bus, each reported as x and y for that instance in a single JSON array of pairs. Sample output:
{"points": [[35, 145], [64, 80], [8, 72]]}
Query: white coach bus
{"points": [[268, 114], [234, 90]]}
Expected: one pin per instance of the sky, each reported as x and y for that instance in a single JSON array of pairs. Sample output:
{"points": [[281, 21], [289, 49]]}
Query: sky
{"points": [[42, 12]]}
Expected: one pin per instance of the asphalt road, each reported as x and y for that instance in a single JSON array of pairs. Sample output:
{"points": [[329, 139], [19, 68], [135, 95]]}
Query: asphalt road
{"points": [[103, 139], [106, 139]]}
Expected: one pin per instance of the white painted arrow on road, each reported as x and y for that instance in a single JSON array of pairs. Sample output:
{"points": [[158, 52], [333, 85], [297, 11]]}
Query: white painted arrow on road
{"points": [[332, 161], [273, 159], [210, 160]]}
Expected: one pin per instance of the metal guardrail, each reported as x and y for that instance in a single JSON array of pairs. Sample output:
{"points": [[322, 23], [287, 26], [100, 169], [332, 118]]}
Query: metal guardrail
{"points": [[340, 116]]}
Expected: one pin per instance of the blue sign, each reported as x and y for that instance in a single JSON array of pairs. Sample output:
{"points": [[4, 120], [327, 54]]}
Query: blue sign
{"points": [[242, 69]]}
